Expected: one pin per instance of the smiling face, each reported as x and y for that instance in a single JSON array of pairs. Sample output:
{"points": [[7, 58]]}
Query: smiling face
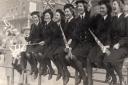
{"points": [[97, 9], [47, 17], [103, 10], [116, 7], [80, 7], [68, 13], [126, 9], [57, 17], [35, 18]]}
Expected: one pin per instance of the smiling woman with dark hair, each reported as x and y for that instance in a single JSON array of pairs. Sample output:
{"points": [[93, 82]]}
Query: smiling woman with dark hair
{"points": [[47, 33], [34, 37], [109, 9], [119, 41], [58, 43], [59, 16], [101, 27], [117, 7], [68, 30]]}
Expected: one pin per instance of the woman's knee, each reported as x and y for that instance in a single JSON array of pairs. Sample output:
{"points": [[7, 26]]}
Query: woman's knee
{"points": [[40, 54]]}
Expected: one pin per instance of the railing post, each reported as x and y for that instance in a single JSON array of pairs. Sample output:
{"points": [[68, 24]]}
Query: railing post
{"points": [[76, 77], [12, 77], [39, 79], [26, 79]]}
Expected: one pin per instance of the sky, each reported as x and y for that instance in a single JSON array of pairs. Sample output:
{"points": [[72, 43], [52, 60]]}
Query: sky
{"points": [[3, 7]]}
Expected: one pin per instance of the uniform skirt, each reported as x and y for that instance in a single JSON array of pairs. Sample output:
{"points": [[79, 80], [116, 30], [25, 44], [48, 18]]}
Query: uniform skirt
{"points": [[116, 56], [96, 55], [82, 49], [35, 48], [53, 50]]}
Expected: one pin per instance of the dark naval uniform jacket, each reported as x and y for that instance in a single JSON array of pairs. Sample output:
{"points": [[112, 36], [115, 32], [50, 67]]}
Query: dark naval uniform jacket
{"points": [[82, 36], [34, 37], [119, 34], [48, 37], [101, 28]]}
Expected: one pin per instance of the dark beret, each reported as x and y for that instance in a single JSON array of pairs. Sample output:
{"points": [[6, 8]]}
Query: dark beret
{"points": [[60, 11], [48, 11], [35, 13], [81, 1], [68, 6]]}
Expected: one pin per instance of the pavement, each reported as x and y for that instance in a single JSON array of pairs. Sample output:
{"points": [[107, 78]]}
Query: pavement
{"points": [[45, 81], [98, 76]]}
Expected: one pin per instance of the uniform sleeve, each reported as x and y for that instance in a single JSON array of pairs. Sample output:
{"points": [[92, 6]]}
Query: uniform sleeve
{"points": [[69, 30], [30, 34], [93, 21], [55, 30], [73, 32], [124, 40], [109, 32], [50, 33]]}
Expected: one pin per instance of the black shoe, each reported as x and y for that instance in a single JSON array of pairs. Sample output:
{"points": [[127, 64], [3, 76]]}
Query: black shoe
{"points": [[78, 80], [113, 83], [18, 68], [50, 74], [32, 71], [50, 77], [108, 79], [35, 76], [58, 76], [43, 71], [65, 80], [36, 73]]}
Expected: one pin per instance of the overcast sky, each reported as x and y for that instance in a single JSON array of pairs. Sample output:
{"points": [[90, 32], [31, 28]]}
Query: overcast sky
{"points": [[3, 7]]}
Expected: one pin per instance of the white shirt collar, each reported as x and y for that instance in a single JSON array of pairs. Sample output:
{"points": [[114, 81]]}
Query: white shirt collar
{"points": [[70, 19], [48, 22], [105, 17], [36, 23], [83, 15], [58, 23], [126, 15], [118, 15]]}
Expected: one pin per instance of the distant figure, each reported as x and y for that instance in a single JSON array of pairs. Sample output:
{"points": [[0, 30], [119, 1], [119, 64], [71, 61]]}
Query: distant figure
{"points": [[9, 43]]}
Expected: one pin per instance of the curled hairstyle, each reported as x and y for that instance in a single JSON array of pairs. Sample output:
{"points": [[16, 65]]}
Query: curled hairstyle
{"points": [[47, 11], [37, 13], [84, 4], [109, 8], [120, 3], [62, 15], [71, 8]]}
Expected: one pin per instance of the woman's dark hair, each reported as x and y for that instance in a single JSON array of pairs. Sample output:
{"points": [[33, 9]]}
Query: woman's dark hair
{"points": [[62, 15], [47, 11], [107, 4], [84, 4], [70, 7]]}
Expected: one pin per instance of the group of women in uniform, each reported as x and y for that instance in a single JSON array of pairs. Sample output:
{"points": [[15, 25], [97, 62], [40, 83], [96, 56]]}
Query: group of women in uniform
{"points": [[67, 40]]}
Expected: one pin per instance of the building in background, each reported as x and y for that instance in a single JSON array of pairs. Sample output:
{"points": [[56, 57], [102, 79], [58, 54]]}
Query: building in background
{"points": [[17, 12]]}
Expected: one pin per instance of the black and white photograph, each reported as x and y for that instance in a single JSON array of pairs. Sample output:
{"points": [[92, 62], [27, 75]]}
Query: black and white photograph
{"points": [[63, 42]]}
